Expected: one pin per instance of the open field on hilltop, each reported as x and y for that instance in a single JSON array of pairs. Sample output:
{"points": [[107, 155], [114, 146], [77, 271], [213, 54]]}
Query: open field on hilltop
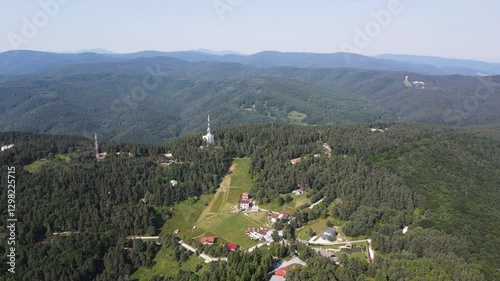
{"points": [[221, 217], [185, 215], [165, 265], [37, 165], [289, 207], [318, 226], [229, 228]]}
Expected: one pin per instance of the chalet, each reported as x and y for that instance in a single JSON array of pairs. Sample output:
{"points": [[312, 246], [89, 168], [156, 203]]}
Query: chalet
{"points": [[274, 218], [208, 239], [295, 161], [245, 196], [329, 234], [245, 205], [280, 272], [232, 247], [298, 191], [283, 216], [169, 156]]}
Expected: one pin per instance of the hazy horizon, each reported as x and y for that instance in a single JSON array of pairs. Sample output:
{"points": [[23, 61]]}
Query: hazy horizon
{"points": [[448, 29]]}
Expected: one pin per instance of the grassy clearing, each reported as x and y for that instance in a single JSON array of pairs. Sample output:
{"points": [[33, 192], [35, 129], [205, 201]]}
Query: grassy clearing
{"points": [[240, 177], [217, 203], [296, 117], [289, 207], [62, 157], [219, 218], [36, 166], [230, 228], [166, 266], [185, 215]]}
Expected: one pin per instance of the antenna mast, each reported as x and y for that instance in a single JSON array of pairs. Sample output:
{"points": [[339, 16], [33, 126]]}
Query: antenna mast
{"points": [[96, 146]]}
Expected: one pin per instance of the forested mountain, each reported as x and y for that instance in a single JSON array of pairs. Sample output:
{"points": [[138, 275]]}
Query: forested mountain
{"points": [[479, 66], [442, 183], [26, 62], [159, 98]]}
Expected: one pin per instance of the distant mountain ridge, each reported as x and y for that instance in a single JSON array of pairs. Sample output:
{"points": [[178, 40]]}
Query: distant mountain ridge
{"points": [[480, 66], [158, 98], [28, 62]]}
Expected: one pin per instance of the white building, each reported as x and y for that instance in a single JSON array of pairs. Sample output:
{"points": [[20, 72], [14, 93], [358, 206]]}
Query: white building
{"points": [[209, 138], [5, 147]]}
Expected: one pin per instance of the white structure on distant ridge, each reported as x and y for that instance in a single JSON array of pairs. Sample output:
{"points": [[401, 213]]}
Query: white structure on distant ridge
{"points": [[209, 138], [6, 147]]}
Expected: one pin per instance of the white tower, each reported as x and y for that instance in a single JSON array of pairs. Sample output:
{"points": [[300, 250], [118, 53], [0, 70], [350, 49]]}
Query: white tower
{"points": [[209, 138], [96, 146]]}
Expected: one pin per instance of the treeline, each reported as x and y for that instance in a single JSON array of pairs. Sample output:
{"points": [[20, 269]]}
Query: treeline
{"points": [[441, 182]]}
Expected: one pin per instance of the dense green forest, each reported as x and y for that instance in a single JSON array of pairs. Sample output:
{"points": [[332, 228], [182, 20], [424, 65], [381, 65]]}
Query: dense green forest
{"points": [[442, 183], [152, 100]]}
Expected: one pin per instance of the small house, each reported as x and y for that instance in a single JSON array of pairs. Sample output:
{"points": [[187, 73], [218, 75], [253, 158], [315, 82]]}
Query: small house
{"points": [[232, 247], [174, 182], [283, 216], [329, 234], [245, 205], [295, 161], [245, 196], [280, 272], [208, 239]]}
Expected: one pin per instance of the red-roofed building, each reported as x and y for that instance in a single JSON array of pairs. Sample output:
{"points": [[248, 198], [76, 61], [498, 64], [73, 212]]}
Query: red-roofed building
{"points": [[263, 232], [245, 196], [232, 247], [274, 219], [245, 205], [280, 272], [208, 239]]}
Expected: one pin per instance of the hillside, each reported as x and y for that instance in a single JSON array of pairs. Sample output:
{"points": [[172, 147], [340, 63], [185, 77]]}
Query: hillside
{"points": [[103, 102], [27, 62], [441, 183], [448, 100], [156, 99]]}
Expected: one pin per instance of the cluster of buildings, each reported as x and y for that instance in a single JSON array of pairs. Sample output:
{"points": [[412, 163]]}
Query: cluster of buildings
{"points": [[6, 147], [259, 234], [283, 216], [212, 239]]}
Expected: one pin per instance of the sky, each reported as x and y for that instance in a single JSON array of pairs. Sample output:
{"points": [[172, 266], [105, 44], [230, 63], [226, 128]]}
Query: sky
{"points": [[445, 28]]}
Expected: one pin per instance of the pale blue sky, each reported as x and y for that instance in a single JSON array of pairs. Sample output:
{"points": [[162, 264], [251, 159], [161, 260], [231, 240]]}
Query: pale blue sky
{"points": [[447, 28]]}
